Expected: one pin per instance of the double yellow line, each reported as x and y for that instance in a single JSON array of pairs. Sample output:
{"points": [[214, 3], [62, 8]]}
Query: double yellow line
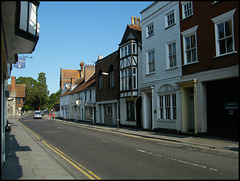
{"points": [[78, 166]]}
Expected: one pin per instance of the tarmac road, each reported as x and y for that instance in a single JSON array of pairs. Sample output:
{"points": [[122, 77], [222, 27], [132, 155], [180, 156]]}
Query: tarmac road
{"points": [[111, 155]]}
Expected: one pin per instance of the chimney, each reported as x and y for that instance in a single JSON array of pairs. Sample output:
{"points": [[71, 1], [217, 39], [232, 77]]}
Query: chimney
{"points": [[82, 70], [135, 21], [100, 57], [89, 70], [132, 20], [13, 83], [72, 81], [81, 65], [138, 21]]}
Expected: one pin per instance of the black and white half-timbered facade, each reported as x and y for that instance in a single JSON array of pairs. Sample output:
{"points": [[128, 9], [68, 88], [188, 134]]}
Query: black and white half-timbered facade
{"points": [[129, 53]]}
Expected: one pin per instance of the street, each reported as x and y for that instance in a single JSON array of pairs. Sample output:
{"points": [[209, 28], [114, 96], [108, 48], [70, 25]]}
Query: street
{"points": [[108, 155]]}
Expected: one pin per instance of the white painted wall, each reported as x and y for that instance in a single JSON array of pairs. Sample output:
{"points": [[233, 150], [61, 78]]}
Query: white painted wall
{"points": [[156, 14]]}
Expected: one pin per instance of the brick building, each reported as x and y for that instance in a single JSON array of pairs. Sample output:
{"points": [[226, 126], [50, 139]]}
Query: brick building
{"points": [[210, 65], [107, 89]]}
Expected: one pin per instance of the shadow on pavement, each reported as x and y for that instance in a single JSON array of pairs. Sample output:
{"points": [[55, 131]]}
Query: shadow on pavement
{"points": [[12, 169]]}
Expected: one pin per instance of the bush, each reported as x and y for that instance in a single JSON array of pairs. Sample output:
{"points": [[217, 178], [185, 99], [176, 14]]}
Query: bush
{"points": [[26, 107]]}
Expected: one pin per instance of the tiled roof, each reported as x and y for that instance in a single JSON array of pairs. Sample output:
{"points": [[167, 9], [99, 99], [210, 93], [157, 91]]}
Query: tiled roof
{"points": [[90, 82], [20, 89], [66, 73], [65, 93], [135, 27]]}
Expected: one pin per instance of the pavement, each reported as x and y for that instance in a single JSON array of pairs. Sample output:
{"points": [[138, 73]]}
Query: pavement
{"points": [[27, 159]]}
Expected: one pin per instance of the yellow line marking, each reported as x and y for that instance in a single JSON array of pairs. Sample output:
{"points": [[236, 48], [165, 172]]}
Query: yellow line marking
{"points": [[69, 161], [64, 156]]}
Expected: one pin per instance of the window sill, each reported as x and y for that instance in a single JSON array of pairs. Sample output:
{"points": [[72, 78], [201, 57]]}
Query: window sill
{"points": [[187, 17], [152, 73], [231, 53], [149, 36], [170, 26], [191, 63], [166, 120], [172, 68]]}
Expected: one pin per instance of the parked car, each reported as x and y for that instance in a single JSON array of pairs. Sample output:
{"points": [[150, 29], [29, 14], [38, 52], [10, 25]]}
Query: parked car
{"points": [[37, 114]]}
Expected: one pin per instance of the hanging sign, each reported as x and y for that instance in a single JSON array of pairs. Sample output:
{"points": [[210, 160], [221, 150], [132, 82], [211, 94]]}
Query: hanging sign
{"points": [[21, 63]]}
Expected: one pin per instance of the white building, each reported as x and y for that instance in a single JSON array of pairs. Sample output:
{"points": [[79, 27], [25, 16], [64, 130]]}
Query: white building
{"points": [[82, 101], [160, 66]]}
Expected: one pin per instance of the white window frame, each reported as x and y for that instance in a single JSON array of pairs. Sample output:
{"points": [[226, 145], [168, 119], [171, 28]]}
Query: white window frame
{"points": [[184, 11], [134, 81], [222, 19], [166, 112], [150, 30], [185, 34], [169, 19], [168, 55], [152, 62]]}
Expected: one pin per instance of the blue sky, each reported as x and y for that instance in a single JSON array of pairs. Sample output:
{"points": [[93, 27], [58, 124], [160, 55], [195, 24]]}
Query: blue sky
{"points": [[71, 32]]}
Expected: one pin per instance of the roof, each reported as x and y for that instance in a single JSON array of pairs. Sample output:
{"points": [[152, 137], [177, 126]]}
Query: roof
{"points": [[135, 30], [66, 73], [65, 93], [89, 83], [20, 89]]}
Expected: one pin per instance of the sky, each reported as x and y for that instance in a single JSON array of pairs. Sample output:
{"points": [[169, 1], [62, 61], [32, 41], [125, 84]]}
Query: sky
{"points": [[76, 31]]}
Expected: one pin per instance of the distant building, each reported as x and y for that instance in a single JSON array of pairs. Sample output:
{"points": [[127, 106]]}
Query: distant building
{"points": [[69, 80], [16, 98]]}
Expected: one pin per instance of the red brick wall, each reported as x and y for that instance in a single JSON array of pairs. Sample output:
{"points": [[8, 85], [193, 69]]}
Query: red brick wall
{"points": [[203, 12], [104, 64]]}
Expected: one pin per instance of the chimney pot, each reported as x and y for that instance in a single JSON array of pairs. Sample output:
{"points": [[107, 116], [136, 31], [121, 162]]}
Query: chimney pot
{"points": [[132, 20], [100, 57]]}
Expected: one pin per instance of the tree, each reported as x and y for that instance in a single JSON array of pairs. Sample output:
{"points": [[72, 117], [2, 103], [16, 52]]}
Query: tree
{"points": [[36, 91], [41, 91], [30, 96], [54, 99]]}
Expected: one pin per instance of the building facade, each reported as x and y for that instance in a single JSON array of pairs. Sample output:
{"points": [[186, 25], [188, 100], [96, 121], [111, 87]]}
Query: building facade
{"points": [[160, 66], [210, 67], [82, 101], [19, 35], [107, 89], [16, 98], [67, 84], [129, 56], [73, 84]]}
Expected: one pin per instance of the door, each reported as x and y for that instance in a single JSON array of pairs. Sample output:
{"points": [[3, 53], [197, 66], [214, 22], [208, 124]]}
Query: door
{"points": [[191, 113]]}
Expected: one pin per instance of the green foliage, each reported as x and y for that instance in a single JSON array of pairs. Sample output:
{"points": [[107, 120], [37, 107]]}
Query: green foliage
{"points": [[26, 107], [54, 99], [36, 92]]}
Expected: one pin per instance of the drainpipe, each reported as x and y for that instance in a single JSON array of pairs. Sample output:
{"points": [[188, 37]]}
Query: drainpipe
{"points": [[152, 87]]}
